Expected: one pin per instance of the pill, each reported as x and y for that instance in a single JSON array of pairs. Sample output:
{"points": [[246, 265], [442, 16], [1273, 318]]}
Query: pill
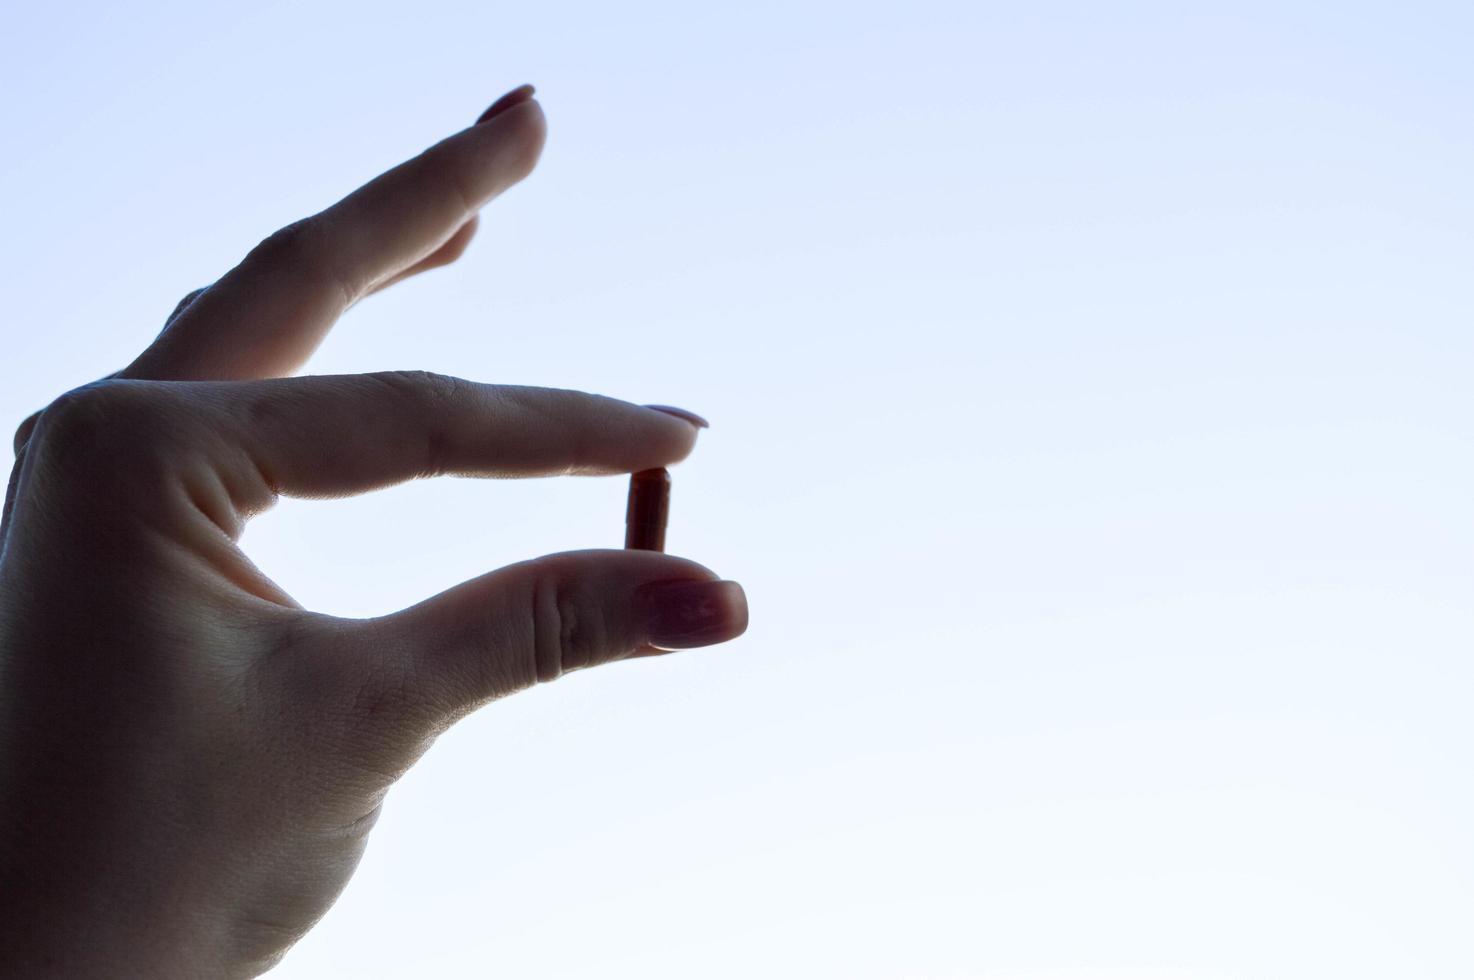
{"points": [[649, 506]]}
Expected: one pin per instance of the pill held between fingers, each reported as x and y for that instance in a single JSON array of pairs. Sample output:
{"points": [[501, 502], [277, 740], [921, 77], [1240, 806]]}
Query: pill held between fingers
{"points": [[648, 509]]}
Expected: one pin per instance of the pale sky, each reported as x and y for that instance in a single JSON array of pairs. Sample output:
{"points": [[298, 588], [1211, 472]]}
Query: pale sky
{"points": [[1091, 429]]}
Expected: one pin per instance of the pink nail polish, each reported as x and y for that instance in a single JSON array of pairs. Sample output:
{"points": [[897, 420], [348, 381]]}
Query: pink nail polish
{"points": [[682, 414], [516, 97], [681, 615]]}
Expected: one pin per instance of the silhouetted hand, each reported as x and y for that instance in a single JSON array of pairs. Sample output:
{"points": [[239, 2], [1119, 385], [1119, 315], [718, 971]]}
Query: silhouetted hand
{"points": [[190, 762]]}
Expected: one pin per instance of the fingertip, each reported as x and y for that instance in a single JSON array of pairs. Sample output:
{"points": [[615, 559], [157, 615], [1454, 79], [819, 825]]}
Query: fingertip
{"points": [[647, 438], [515, 97], [684, 414], [741, 598], [679, 424], [683, 614], [522, 132], [683, 447]]}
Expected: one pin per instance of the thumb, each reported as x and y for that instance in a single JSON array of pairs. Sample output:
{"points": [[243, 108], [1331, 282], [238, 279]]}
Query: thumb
{"points": [[531, 622]]}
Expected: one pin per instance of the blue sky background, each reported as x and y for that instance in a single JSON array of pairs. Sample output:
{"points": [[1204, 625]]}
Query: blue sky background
{"points": [[1091, 429]]}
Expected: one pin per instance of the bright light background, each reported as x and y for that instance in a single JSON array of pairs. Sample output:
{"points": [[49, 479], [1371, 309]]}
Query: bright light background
{"points": [[1091, 429]]}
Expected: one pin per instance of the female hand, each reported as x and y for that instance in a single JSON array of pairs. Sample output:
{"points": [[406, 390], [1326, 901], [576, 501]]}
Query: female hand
{"points": [[190, 762]]}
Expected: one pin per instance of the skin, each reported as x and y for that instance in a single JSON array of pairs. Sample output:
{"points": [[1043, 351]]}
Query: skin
{"points": [[190, 762]]}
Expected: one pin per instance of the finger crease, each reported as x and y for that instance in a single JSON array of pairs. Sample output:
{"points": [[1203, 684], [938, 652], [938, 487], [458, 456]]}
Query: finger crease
{"points": [[547, 632]]}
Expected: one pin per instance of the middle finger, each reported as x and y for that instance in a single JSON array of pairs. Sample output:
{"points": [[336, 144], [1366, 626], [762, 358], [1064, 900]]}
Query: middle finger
{"points": [[268, 314]]}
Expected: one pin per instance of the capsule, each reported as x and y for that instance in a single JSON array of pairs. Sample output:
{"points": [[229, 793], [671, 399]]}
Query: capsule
{"points": [[649, 507]]}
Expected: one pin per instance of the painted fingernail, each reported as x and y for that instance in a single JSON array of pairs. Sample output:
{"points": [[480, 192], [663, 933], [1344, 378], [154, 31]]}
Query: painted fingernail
{"points": [[681, 413], [516, 97], [681, 615]]}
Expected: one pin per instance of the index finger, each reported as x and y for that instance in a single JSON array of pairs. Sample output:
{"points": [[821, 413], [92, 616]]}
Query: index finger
{"points": [[326, 436], [267, 315]]}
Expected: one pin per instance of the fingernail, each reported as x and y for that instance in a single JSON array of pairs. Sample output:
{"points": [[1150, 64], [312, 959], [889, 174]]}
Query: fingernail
{"points": [[681, 413], [681, 615], [517, 96]]}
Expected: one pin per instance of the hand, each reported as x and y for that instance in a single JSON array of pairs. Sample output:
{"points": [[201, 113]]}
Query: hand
{"points": [[190, 762]]}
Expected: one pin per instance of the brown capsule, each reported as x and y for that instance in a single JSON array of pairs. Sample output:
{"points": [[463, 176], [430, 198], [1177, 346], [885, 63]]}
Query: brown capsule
{"points": [[649, 507]]}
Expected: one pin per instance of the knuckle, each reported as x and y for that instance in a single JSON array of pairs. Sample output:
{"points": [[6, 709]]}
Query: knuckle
{"points": [[185, 303], [455, 178], [24, 430], [421, 386], [300, 249], [108, 425], [289, 244], [431, 397], [83, 415], [442, 166]]}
